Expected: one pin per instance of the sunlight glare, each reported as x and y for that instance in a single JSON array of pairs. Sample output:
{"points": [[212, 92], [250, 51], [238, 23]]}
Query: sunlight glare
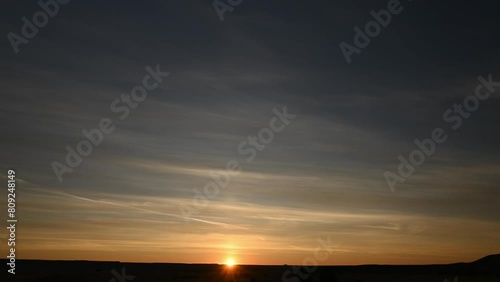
{"points": [[230, 263]]}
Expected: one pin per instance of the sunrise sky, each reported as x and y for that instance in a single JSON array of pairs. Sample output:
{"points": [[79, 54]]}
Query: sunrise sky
{"points": [[321, 176]]}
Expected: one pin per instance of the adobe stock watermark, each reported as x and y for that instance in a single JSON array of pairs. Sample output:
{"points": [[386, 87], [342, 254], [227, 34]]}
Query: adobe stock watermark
{"points": [[221, 7], [372, 29], [29, 30], [453, 116], [248, 148], [94, 137], [121, 277], [310, 264]]}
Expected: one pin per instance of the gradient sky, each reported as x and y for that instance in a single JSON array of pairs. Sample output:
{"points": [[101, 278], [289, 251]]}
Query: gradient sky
{"points": [[322, 176]]}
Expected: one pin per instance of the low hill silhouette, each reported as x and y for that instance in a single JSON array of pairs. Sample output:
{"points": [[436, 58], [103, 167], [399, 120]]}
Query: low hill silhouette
{"points": [[487, 265]]}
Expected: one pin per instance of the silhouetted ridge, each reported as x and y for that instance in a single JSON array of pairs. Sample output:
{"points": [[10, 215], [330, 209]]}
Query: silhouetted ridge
{"points": [[487, 265], [493, 260]]}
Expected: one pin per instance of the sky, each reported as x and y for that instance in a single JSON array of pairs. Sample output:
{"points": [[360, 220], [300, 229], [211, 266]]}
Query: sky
{"points": [[320, 178]]}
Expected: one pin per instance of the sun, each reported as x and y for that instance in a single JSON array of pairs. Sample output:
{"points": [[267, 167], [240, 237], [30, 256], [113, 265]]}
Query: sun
{"points": [[230, 263]]}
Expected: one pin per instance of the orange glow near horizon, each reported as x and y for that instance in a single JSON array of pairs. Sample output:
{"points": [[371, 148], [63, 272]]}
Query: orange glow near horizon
{"points": [[248, 240]]}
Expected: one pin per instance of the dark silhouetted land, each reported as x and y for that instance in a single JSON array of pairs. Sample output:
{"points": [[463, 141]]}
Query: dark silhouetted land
{"points": [[486, 269]]}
